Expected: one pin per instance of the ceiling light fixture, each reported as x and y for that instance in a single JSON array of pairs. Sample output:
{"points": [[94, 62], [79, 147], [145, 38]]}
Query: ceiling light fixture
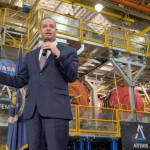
{"points": [[99, 7]]}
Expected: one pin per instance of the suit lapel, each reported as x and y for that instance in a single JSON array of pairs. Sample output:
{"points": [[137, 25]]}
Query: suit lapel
{"points": [[50, 58], [47, 61], [37, 51]]}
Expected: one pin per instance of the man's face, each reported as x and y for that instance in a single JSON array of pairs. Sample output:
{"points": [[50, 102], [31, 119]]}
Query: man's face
{"points": [[48, 29]]}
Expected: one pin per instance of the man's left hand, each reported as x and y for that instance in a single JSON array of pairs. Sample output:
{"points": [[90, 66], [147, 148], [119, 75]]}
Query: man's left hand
{"points": [[52, 47]]}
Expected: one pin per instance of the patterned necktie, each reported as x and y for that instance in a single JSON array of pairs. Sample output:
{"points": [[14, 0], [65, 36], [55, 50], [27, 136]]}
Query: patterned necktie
{"points": [[42, 61]]}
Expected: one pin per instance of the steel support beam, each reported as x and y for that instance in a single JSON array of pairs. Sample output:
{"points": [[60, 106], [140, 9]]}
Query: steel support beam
{"points": [[88, 144], [74, 145], [81, 141], [129, 78], [114, 144]]}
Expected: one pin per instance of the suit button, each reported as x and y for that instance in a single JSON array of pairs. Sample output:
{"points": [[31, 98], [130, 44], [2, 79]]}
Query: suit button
{"points": [[40, 74]]}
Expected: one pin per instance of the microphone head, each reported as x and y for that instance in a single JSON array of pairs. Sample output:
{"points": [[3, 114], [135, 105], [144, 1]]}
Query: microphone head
{"points": [[45, 50]]}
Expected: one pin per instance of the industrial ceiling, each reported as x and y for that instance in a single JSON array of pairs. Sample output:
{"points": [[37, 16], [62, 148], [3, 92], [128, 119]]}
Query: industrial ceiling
{"points": [[94, 60]]}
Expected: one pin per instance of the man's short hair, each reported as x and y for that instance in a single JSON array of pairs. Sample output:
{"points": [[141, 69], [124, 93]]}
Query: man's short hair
{"points": [[47, 17]]}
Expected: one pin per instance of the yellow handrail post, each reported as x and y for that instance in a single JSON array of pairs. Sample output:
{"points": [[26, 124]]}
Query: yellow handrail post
{"points": [[106, 43], [5, 14], [148, 46], [78, 120], [81, 30], [118, 122], [76, 108], [28, 30], [127, 41], [39, 17]]}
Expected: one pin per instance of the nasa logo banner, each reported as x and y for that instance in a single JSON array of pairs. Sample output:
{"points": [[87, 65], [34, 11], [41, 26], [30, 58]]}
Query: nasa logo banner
{"points": [[4, 106], [7, 66], [135, 136]]}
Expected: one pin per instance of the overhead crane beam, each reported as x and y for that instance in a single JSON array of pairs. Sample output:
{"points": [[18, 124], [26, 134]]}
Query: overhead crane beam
{"points": [[109, 14], [147, 29], [135, 5]]}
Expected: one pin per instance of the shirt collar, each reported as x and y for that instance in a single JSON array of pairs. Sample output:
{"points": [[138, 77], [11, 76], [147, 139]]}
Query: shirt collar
{"points": [[41, 42]]}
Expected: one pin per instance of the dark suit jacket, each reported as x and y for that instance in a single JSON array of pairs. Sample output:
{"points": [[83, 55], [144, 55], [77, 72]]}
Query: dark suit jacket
{"points": [[47, 88]]}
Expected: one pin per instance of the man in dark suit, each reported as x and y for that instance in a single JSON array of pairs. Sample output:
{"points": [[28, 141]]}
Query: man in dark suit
{"points": [[47, 71]]}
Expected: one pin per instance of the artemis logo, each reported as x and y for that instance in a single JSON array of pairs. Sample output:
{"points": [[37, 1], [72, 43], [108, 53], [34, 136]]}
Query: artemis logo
{"points": [[139, 136]]}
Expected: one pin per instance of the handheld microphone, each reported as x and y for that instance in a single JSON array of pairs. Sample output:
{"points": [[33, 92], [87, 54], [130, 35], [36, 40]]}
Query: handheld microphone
{"points": [[44, 53]]}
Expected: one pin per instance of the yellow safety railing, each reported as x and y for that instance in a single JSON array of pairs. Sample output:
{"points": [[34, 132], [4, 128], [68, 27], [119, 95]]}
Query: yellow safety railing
{"points": [[117, 37], [147, 108], [73, 125], [114, 36], [148, 45], [94, 120], [14, 26], [15, 18], [92, 35], [143, 116], [2, 147], [1, 26], [66, 25], [33, 26], [98, 121], [11, 41], [137, 43], [126, 115], [2, 17], [77, 29], [1, 41]]}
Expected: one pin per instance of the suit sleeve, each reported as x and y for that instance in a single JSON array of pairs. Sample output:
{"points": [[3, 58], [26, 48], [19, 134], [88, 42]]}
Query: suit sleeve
{"points": [[68, 64], [17, 81]]}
